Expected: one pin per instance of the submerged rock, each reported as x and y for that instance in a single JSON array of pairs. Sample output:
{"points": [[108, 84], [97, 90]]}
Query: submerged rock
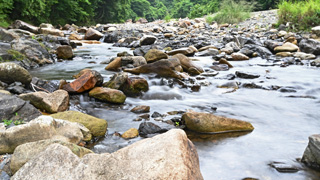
{"points": [[108, 95], [141, 109], [311, 156], [135, 86]]}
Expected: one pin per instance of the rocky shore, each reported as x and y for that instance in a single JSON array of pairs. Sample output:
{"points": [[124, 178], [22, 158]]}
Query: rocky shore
{"points": [[42, 137]]}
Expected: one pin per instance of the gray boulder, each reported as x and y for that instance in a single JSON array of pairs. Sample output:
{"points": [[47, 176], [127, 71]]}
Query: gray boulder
{"points": [[311, 156], [18, 24], [310, 46], [11, 72]]}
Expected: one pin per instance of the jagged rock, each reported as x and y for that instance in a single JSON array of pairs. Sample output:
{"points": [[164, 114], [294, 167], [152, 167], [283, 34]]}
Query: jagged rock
{"points": [[188, 65], [88, 80], [131, 133], [108, 95], [97, 126], [64, 52], [96, 74], [117, 80], [8, 36], [239, 57], [54, 32], [146, 128], [11, 72], [155, 55], [141, 109], [134, 86], [25, 152], [92, 34], [179, 160], [50, 86], [210, 123], [24, 26], [311, 155], [245, 75], [287, 47], [310, 46], [51, 103], [147, 40], [114, 65]]}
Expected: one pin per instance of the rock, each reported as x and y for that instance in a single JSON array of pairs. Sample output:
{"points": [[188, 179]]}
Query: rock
{"points": [[117, 80], [74, 36], [131, 133], [25, 152], [245, 75], [210, 123], [141, 109], [208, 47], [146, 128], [224, 61], [142, 21], [88, 80], [287, 47], [168, 35], [315, 63], [96, 74], [282, 33], [11, 72], [164, 68], [272, 44], [147, 40], [114, 65], [134, 86], [136, 61], [316, 30], [239, 57], [64, 52], [284, 54], [188, 65], [43, 127], [108, 95], [97, 126], [57, 101], [190, 51], [154, 55], [179, 160], [14, 108], [227, 50], [304, 56], [123, 54], [24, 26], [310, 46], [311, 156], [54, 32], [92, 34], [8, 36], [209, 52], [51, 85]]}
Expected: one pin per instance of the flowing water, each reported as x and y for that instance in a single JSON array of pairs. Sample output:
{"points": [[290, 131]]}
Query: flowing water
{"points": [[283, 121]]}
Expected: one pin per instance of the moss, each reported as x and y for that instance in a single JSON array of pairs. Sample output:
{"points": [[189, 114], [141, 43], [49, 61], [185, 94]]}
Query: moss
{"points": [[16, 55]]}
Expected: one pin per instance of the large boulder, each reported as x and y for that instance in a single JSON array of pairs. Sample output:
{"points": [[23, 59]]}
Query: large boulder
{"points": [[43, 127], [93, 34], [25, 152], [57, 101], [14, 108], [134, 86], [116, 81], [18, 24], [310, 46], [188, 65], [311, 155], [108, 95], [210, 123], [87, 80], [11, 72], [97, 126], [154, 55], [178, 160], [8, 36], [64, 52], [165, 68]]}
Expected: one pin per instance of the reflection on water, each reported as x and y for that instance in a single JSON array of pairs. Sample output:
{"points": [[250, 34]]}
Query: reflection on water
{"points": [[282, 123]]}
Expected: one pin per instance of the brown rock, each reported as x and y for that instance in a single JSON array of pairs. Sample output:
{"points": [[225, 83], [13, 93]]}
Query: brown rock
{"points": [[96, 74], [188, 65], [24, 26], [92, 34], [74, 36], [154, 55], [224, 61], [141, 109], [108, 95], [85, 82], [286, 47], [114, 65], [284, 54], [131, 133], [134, 86], [54, 32], [64, 52], [190, 51], [239, 57]]}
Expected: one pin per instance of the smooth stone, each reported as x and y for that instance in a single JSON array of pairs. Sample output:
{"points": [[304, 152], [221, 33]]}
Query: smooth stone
{"points": [[188, 65], [245, 75], [146, 128], [239, 57], [141, 109], [131, 133], [114, 65], [11, 72], [108, 95], [304, 56], [64, 52], [117, 80], [155, 55], [93, 34], [287, 47], [311, 156]]}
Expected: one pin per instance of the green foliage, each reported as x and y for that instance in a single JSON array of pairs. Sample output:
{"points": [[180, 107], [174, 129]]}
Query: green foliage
{"points": [[168, 17], [5, 7], [209, 18], [181, 9], [301, 15], [16, 55], [233, 11], [7, 122], [18, 122]]}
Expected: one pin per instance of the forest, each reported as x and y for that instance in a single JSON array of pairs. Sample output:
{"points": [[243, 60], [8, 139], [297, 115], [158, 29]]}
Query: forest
{"points": [[88, 12]]}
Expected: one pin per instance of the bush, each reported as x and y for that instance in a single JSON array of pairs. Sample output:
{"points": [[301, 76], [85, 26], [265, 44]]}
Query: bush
{"points": [[209, 19], [234, 11], [302, 15]]}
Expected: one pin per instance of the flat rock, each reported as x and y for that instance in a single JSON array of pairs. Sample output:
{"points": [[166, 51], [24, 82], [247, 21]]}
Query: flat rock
{"points": [[286, 47], [245, 75], [141, 109], [190, 51]]}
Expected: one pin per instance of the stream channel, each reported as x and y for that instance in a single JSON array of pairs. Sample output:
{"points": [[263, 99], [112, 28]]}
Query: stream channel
{"points": [[283, 121]]}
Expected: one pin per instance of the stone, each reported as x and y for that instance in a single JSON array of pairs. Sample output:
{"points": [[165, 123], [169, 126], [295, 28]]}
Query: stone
{"points": [[96, 74], [41, 128], [25, 152], [209, 52], [18, 24], [134, 86], [287, 47], [57, 101], [64, 52], [93, 34], [108, 95], [116, 81], [88, 80], [168, 35], [96, 126], [284, 54], [155, 55], [46, 25], [270, 44], [208, 47], [131, 133], [311, 156], [14, 108], [8, 36], [245, 75], [164, 68], [304, 56], [11, 72], [142, 21], [49, 85], [178, 160], [239, 57], [310, 46], [185, 51], [141, 109], [224, 61], [114, 65], [282, 33], [146, 128], [188, 65], [74, 36], [136, 61], [227, 50], [147, 40], [210, 123], [316, 30], [54, 32]]}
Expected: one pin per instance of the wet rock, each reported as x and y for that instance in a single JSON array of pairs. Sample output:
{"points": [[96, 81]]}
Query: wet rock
{"points": [[123, 54], [43, 127], [74, 36], [92, 34], [137, 161], [286, 47], [156, 115], [64, 52], [96, 74], [287, 89], [131, 133], [239, 57], [304, 56], [135, 61], [17, 88], [218, 67], [57, 101], [155, 55], [232, 84], [25, 152], [117, 80], [251, 86], [310, 46], [108, 95], [24, 26], [134, 86], [14, 108], [54, 32], [164, 68], [11, 72], [141, 109], [147, 40], [283, 167], [224, 61], [315, 63], [245, 75], [188, 65], [8, 36], [271, 45], [41, 84], [209, 52], [311, 156], [284, 54], [190, 51], [96, 126], [262, 51], [227, 50], [86, 81], [209, 123], [146, 128], [114, 65]]}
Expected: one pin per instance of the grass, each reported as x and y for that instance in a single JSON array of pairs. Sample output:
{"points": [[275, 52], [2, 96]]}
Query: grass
{"points": [[301, 15], [209, 18], [232, 11]]}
